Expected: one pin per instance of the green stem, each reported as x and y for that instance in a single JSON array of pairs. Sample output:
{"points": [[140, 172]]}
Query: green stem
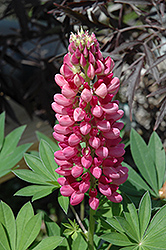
{"points": [[91, 229]]}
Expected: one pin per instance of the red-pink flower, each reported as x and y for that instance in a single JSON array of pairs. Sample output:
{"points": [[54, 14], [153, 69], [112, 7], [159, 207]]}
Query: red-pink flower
{"points": [[90, 152]]}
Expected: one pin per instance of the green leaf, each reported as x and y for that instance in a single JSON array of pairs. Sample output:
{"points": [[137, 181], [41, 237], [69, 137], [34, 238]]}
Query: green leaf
{"points": [[156, 221], [49, 243], [144, 213], [8, 221], [31, 231], [4, 245], [51, 227], [158, 154], [131, 216], [30, 176], [38, 167], [117, 239], [9, 161], [79, 242], [142, 160], [11, 140], [113, 223], [2, 128], [44, 191], [47, 156], [53, 144], [127, 228], [63, 202], [24, 215]]}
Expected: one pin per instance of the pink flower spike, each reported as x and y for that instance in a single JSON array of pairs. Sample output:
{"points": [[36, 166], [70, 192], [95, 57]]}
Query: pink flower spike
{"points": [[85, 128], [83, 61], [60, 80], [68, 92], [93, 203], [86, 95], [91, 71], [59, 155], [115, 197], [58, 108], [110, 108], [96, 172], [84, 186], [76, 171], [66, 190], [78, 114], [76, 198]]}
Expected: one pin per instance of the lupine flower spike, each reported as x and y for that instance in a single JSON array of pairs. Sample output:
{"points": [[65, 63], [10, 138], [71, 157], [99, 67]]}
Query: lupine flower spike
{"points": [[90, 152]]}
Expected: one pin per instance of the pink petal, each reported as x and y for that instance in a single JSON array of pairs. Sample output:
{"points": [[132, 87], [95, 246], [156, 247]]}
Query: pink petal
{"points": [[97, 111], [74, 139], [94, 203], [101, 91], [115, 197], [66, 190], [76, 198], [96, 171], [62, 100], [104, 189], [61, 129], [114, 133], [59, 137], [68, 92], [84, 186], [86, 95], [102, 152], [78, 114], [114, 85], [94, 142], [60, 80], [76, 171], [104, 125], [70, 152], [91, 71], [85, 128]]}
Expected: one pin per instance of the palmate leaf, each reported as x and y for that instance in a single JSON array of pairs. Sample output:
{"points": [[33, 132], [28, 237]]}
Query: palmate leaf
{"points": [[42, 173], [158, 155], [8, 221], [152, 233], [142, 158], [63, 202], [49, 243], [4, 244], [53, 144]]}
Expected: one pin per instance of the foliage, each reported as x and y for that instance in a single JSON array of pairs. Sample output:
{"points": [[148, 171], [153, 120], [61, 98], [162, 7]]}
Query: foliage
{"points": [[10, 153], [136, 230], [20, 233], [150, 161], [42, 173]]}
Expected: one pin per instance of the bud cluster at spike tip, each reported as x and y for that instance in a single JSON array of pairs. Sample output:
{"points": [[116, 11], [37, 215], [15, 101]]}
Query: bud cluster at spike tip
{"points": [[88, 133]]}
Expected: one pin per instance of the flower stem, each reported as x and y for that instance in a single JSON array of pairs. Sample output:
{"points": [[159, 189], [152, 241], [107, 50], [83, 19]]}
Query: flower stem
{"points": [[91, 229]]}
